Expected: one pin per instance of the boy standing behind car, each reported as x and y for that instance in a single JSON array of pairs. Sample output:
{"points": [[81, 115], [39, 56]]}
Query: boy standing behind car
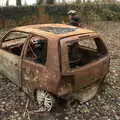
{"points": [[74, 19]]}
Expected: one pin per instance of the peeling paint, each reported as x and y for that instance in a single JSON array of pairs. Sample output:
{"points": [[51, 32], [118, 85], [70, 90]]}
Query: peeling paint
{"points": [[50, 76]]}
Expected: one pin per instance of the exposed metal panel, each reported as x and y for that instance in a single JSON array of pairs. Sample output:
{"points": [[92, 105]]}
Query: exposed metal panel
{"points": [[9, 66]]}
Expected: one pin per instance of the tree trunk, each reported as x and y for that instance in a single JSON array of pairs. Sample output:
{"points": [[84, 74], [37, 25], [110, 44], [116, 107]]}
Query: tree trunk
{"points": [[43, 2], [7, 3], [39, 2], [18, 3], [78, 1], [84, 1], [50, 1]]}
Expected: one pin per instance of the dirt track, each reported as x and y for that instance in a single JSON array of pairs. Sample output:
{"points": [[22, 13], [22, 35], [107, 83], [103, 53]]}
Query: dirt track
{"points": [[104, 106]]}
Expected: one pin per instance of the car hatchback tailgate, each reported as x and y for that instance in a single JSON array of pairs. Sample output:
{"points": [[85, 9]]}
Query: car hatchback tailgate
{"points": [[93, 72]]}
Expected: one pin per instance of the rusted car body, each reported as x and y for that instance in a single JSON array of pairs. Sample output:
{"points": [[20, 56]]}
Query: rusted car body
{"points": [[51, 57]]}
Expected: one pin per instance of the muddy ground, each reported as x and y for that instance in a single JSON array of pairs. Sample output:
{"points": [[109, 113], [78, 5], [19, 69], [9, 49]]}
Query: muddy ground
{"points": [[104, 106]]}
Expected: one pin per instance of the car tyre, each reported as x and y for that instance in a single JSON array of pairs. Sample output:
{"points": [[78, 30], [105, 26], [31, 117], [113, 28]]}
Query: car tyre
{"points": [[45, 100]]}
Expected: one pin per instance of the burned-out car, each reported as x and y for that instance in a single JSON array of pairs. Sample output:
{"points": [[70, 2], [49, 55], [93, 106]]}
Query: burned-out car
{"points": [[54, 60]]}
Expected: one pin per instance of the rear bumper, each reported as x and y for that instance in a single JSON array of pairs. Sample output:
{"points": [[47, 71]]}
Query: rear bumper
{"points": [[83, 95], [85, 79]]}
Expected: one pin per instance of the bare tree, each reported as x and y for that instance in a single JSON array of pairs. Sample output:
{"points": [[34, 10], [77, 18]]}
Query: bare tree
{"points": [[18, 2], [7, 3], [84, 1], [78, 1], [43, 2], [39, 2]]}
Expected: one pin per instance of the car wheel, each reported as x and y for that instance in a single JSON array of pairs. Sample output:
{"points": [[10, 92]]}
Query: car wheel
{"points": [[45, 100]]}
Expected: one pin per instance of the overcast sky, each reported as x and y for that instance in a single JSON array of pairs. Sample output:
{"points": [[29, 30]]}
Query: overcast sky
{"points": [[28, 2]]}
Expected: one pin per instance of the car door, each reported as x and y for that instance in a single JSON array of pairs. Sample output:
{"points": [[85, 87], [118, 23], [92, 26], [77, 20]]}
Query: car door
{"points": [[34, 70], [10, 55]]}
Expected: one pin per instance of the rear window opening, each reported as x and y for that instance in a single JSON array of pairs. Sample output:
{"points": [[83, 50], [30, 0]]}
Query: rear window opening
{"points": [[83, 52]]}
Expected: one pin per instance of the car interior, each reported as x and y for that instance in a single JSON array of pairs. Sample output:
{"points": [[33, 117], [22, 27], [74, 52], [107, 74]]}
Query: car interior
{"points": [[14, 46], [81, 54], [37, 50], [14, 42]]}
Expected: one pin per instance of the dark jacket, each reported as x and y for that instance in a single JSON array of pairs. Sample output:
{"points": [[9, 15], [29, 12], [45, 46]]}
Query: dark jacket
{"points": [[75, 21]]}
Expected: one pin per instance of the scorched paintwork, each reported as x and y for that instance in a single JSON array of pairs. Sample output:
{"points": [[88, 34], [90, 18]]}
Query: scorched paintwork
{"points": [[54, 75]]}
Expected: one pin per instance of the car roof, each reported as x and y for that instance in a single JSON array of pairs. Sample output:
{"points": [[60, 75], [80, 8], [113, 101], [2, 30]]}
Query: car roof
{"points": [[53, 31]]}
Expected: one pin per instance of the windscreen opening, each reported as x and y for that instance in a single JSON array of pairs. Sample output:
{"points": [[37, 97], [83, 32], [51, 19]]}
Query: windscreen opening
{"points": [[14, 41]]}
